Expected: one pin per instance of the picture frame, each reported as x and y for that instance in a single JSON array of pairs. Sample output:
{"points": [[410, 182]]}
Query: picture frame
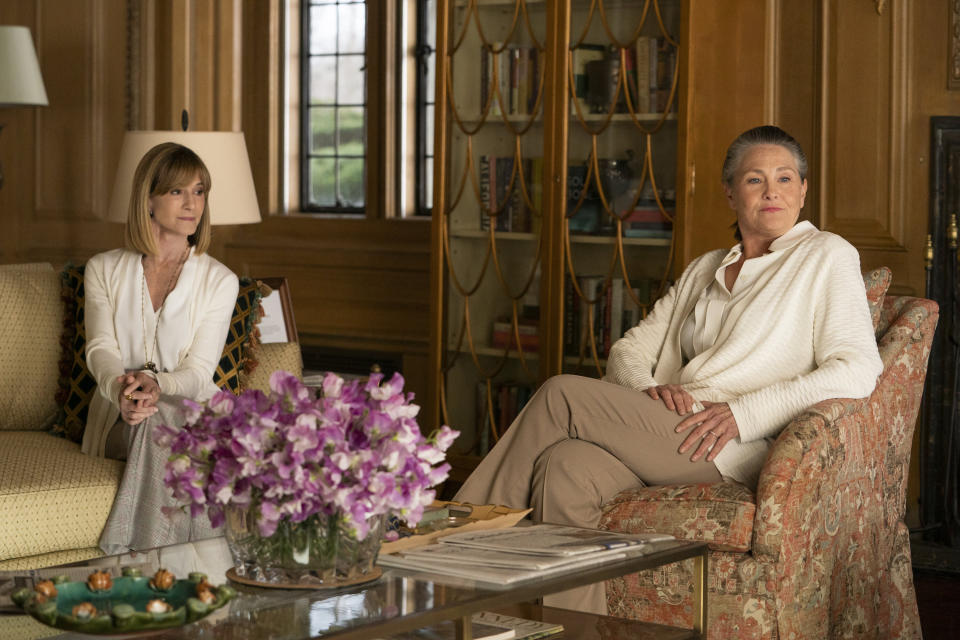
{"points": [[278, 323]]}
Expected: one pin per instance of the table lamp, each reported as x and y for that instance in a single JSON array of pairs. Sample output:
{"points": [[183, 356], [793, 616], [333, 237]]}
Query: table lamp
{"points": [[20, 81], [233, 199]]}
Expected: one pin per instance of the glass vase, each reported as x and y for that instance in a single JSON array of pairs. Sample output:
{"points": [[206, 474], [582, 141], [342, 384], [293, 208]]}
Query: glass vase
{"points": [[318, 551]]}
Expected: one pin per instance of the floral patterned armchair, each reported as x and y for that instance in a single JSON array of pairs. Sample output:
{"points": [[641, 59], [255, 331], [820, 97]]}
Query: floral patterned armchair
{"points": [[821, 550]]}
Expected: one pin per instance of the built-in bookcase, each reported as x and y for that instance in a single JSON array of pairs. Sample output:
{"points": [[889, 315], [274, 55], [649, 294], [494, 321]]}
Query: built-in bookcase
{"points": [[556, 190]]}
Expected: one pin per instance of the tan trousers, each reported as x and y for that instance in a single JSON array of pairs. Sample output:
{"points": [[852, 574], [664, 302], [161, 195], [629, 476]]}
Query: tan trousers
{"points": [[577, 443]]}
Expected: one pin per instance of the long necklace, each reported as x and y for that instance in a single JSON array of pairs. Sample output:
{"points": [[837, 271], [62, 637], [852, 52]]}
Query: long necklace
{"points": [[148, 362]]}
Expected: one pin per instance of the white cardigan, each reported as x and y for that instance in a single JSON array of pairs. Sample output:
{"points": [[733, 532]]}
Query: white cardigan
{"points": [[801, 335], [119, 319]]}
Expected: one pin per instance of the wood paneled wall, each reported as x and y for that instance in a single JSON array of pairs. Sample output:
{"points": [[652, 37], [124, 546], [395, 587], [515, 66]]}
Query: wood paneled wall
{"points": [[355, 284], [59, 160], [858, 83], [724, 92], [856, 86]]}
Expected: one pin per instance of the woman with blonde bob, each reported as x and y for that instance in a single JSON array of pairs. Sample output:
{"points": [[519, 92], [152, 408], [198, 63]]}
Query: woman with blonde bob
{"points": [[157, 316]]}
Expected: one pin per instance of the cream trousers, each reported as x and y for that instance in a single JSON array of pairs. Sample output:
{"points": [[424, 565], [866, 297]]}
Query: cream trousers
{"points": [[577, 443]]}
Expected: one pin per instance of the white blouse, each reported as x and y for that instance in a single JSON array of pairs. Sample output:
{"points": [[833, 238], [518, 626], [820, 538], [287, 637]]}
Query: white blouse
{"points": [[701, 328], [121, 324]]}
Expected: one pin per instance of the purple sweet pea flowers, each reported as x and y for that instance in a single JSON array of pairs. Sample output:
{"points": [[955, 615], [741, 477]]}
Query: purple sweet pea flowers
{"points": [[353, 449]]}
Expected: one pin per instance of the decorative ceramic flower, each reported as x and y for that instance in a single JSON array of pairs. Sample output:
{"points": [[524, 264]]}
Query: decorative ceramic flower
{"points": [[158, 606], [100, 581], [162, 580], [46, 588], [205, 596], [352, 449], [84, 610]]}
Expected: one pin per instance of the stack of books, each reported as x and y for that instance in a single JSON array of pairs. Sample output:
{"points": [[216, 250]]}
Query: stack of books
{"points": [[614, 312]]}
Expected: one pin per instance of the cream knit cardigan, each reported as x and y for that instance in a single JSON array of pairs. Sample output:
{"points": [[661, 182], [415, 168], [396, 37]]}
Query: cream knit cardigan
{"points": [[120, 325], [803, 335]]}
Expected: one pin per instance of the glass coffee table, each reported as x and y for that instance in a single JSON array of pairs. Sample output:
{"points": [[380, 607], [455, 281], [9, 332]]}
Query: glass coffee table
{"points": [[404, 600]]}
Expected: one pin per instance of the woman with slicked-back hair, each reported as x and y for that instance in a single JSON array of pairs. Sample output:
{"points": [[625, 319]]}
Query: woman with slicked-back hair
{"points": [[741, 344]]}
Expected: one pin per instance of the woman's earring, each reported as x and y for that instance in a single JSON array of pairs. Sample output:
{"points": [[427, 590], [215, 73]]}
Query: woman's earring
{"points": [[151, 213]]}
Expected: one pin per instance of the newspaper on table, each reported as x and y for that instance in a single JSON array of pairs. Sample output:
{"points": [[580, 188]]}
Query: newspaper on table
{"points": [[489, 575], [456, 554], [552, 540], [508, 556]]}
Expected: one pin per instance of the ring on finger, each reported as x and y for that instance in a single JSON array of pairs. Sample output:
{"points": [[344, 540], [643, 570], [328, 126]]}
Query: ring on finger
{"points": [[128, 396]]}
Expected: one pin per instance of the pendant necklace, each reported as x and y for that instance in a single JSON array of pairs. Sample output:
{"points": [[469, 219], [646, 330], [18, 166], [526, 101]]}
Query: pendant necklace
{"points": [[148, 359]]}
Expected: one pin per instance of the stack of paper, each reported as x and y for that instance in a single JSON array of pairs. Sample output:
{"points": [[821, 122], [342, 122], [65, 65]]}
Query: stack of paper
{"points": [[508, 556]]}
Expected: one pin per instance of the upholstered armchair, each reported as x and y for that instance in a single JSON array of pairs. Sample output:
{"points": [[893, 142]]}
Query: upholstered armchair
{"points": [[821, 550]]}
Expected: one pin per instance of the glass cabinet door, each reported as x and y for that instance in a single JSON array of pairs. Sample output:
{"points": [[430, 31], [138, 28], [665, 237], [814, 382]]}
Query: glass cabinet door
{"points": [[621, 167], [557, 158], [493, 215]]}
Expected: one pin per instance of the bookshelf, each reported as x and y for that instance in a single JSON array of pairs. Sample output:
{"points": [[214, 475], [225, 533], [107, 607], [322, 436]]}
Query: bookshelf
{"points": [[560, 185]]}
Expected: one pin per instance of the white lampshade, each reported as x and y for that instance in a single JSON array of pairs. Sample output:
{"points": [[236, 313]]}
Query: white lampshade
{"points": [[233, 199], [20, 79]]}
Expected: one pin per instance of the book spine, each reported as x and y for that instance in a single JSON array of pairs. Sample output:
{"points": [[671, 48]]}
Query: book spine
{"points": [[569, 317], [616, 311], [484, 192], [533, 79], [630, 68], [536, 195], [607, 318], [484, 76], [523, 83], [514, 80], [483, 420], [652, 84], [502, 83], [642, 52], [631, 311], [664, 73], [504, 170], [494, 193]]}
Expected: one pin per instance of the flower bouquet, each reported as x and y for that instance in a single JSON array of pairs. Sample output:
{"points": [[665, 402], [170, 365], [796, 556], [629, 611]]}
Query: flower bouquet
{"points": [[304, 479]]}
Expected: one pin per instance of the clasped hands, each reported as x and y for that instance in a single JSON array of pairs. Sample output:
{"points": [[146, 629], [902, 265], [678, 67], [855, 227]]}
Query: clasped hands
{"points": [[712, 428], [139, 394]]}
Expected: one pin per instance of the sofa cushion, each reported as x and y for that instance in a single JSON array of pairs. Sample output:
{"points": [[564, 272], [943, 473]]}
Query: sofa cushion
{"points": [[52, 497], [77, 384], [29, 350], [720, 514], [876, 282]]}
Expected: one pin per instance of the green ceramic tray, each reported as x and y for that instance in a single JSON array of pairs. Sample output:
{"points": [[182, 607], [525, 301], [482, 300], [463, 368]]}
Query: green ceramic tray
{"points": [[122, 608]]}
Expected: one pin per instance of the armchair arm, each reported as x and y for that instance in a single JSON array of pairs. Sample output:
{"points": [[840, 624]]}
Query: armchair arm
{"points": [[847, 454], [803, 474]]}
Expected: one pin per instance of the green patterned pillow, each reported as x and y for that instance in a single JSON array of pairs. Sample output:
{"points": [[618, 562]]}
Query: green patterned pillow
{"points": [[77, 385]]}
